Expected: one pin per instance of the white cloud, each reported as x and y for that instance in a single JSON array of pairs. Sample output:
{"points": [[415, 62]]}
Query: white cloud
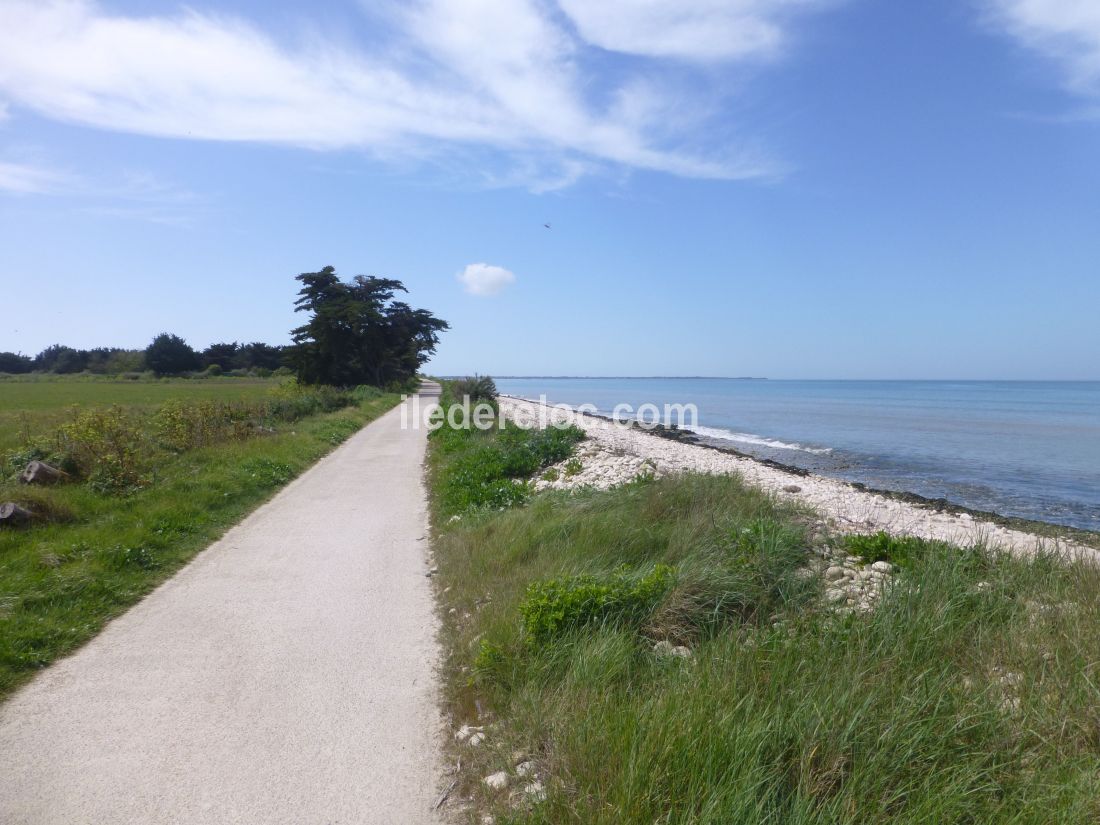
{"points": [[500, 74], [699, 30], [26, 179], [485, 279], [1066, 31]]}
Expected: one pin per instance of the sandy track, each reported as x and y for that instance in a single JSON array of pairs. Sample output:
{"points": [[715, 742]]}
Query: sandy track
{"points": [[286, 675]]}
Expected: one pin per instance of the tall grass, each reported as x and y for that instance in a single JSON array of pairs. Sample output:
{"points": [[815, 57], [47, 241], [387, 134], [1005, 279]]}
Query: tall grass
{"points": [[968, 696]]}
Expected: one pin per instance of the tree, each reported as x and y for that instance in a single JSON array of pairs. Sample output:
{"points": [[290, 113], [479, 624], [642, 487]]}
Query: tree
{"points": [[357, 333], [15, 363], [169, 355], [224, 355]]}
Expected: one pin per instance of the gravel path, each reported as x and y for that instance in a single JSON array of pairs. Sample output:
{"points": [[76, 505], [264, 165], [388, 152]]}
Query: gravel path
{"points": [[286, 675]]}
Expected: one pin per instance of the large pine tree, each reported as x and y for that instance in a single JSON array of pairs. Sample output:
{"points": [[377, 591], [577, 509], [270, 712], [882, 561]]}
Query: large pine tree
{"points": [[357, 333]]}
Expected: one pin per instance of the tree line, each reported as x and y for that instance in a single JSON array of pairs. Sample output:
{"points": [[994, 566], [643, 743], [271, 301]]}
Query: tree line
{"points": [[167, 354], [356, 332]]}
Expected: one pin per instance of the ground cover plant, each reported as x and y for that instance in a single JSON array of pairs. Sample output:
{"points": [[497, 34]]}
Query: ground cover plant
{"points": [[490, 468], [968, 695], [152, 482]]}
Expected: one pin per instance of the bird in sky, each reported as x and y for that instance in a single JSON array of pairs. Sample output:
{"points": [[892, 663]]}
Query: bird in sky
{"points": [[546, 225]]}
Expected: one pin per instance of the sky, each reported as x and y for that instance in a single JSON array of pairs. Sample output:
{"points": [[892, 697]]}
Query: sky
{"points": [[780, 188]]}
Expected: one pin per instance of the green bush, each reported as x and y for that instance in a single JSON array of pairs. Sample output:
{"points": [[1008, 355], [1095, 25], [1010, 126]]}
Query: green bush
{"points": [[477, 388], [107, 447], [558, 606]]}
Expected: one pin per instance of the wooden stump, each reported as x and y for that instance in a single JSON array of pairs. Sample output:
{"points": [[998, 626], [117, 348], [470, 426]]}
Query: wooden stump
{"points": [[12, 515], [39, 472]]}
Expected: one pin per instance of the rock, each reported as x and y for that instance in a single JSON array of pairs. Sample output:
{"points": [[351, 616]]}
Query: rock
{"points": [[466, 731], [835, 596], [39, 472], [12, 515], [525, 768], [792, 488], [496, 781], [883, 567], [535, 792], [836, 573], [476, 740], [665, 648]]}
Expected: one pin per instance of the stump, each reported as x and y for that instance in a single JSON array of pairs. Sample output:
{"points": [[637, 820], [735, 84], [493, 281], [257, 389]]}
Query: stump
{"points": [[12, 515], [39, 472]]}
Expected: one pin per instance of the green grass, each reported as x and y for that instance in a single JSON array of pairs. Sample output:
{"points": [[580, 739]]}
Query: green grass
{"points": [[969, 695], [99, 552], [36, 404], [490, 469]]}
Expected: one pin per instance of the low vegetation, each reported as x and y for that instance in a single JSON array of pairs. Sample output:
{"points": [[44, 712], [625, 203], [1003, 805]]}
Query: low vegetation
{"points": [[480, 469], [149, 485], [967, 695]]}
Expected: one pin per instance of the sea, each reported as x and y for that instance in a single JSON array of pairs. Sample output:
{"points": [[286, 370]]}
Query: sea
{"points": [[1029, 449]]}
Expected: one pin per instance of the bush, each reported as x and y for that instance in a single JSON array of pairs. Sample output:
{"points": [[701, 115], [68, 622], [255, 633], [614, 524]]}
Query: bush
{"points": [[558, 606], [477, 388], [107, 447]]}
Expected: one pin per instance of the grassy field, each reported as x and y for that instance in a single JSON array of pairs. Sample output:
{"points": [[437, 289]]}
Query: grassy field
{"points": [[202, 465], [969, 694], [33, 405]]}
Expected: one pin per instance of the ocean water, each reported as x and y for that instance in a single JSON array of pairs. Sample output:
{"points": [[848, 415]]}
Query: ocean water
{"points": [[1019, 448]]}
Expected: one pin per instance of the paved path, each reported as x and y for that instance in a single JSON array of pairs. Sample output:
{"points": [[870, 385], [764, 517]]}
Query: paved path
{"points": [[284, 676]]}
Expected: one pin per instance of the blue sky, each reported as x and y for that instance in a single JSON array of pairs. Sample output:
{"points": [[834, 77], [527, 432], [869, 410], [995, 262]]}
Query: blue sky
{"points": [[788, 188]]}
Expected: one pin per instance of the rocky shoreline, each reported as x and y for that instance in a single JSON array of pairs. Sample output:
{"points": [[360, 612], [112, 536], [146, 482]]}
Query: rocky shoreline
{"points": [[617, 452]]}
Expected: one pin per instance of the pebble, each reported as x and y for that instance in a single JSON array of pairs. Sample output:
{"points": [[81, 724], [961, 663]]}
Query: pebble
{"points": [[792, 488], [883, 567], [496, 781], [835, 573]]}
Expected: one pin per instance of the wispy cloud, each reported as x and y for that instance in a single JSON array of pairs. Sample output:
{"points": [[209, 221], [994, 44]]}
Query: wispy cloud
{"points": [[1065, 31], [702, 30], [29, 178], [507, 75]]}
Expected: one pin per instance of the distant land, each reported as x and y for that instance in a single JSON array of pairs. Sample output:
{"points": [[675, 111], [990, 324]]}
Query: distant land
{"points": [[632, 377]]}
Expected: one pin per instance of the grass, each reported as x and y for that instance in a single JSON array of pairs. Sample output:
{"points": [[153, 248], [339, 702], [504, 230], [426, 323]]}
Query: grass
{"points": [[489, 469], [97, 552], [968, 696], [32, 405]]}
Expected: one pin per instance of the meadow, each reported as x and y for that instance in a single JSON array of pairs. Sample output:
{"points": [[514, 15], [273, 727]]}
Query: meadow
{"points": [[33, 405], [157, 469], [968, 694]]}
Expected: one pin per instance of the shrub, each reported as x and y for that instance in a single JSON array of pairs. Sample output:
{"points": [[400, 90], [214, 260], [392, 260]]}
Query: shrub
{"points": [[572, 467], [189, 425], [552, 608], [107, 447], [477, 388]]}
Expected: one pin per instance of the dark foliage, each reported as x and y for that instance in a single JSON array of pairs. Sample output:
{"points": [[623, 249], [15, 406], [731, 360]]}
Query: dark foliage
{"points": [[357, 333], [15, 363], [170, 355]]}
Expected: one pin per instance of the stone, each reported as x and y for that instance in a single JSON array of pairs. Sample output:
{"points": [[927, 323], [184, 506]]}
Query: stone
{"points": [[836, 573], [535, 792], [525, 768], [792, 488], [835, 596], [883, 567], [466, 731], [666, 648], [476, 740], [496, 781]]}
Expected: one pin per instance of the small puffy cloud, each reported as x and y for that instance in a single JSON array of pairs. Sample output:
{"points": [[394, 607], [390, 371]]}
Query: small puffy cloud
{"points": [[485, 279]]}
